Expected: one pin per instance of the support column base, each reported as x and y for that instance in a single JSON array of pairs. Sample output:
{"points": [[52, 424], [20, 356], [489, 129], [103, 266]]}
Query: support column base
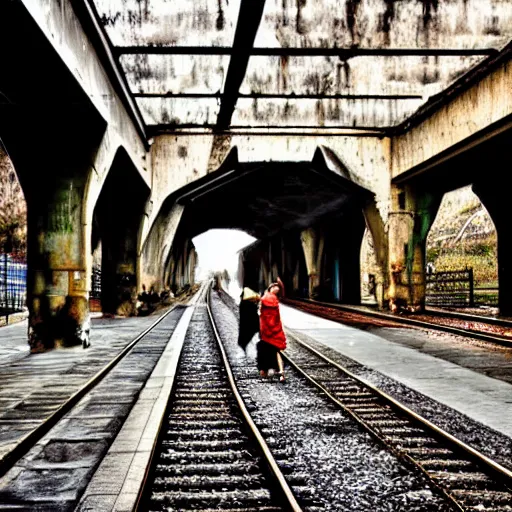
{"points": [[57, 322]]}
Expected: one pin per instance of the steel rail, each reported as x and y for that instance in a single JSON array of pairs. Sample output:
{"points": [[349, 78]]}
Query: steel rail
{"points": [[470, 317], [285, 488], [479, 335], [35, 435], [492, 467]]}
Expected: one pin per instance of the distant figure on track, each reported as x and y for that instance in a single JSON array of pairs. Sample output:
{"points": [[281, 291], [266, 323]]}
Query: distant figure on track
{"points": [[273, 339]]}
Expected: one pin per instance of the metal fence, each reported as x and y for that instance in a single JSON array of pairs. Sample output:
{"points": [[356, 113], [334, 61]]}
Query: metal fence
{"points": [[455, 288], [13, 283], [95, 294]]}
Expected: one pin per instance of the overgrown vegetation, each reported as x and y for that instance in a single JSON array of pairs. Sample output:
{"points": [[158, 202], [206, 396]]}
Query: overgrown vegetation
{"points": [[463, 236]]}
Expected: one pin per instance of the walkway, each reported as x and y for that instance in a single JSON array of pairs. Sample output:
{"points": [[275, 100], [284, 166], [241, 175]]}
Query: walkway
{"points": [[33, 386]]}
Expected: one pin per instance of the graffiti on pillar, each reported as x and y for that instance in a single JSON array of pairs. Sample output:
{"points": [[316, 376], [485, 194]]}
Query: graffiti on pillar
{"points": [[62, 217]]}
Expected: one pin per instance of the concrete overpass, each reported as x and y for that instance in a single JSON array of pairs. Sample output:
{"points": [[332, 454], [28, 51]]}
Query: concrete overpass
{"points": [[142, 124]]}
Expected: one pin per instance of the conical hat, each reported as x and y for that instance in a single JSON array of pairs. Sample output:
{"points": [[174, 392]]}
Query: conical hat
{"points": [[249, 294]]}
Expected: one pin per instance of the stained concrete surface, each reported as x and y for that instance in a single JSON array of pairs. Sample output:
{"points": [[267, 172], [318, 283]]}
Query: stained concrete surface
{"points": [[421, 360]]}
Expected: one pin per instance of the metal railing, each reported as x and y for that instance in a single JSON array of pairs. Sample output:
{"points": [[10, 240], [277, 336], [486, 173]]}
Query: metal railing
{"points": [[95, 293], [453, 288], [13, 283]]}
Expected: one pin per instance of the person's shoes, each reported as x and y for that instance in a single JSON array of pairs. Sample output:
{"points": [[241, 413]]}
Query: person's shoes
{"points": [[282, 379]]}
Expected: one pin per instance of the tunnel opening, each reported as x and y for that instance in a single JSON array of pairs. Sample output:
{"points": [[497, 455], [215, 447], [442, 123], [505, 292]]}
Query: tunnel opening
{"points": [[115, 238], [461, 261], [13, 242], [218, 254]]}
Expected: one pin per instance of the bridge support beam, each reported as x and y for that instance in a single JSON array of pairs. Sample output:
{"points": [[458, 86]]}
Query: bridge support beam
{"points": [[350, 259], [413, 213], [54, 181], [182, 264], [119, 214], [495, 197]]}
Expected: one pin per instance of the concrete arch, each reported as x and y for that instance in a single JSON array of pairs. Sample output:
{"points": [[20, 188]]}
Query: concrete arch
{"points": [[372, 216], [220, 200], [119, 215]]}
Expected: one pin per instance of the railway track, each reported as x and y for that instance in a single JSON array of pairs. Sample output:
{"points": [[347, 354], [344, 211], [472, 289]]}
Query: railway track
{"points": [[209, 454], [469, 479], [470, 333]]}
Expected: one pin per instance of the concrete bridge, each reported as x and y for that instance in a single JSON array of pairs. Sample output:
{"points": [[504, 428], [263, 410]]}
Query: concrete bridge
{"points": [[141, 134]]}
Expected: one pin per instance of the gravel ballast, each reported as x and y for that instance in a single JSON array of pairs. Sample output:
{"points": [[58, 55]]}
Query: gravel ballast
{"points": [[331, 463]]}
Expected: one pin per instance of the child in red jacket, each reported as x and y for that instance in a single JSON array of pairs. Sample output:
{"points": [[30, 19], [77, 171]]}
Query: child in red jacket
{"points": [[273, 339]]}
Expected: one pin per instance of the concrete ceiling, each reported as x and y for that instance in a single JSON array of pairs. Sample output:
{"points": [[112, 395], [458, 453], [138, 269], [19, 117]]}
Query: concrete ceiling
{"points": [[297, 63]]}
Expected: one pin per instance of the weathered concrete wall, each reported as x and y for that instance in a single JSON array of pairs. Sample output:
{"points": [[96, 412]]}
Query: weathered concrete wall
{"points": [[59, 23], [486, 102], [178, 160]]}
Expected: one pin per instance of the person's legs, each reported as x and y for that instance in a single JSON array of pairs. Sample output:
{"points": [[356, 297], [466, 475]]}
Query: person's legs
{"points": [[280, 366], [262, 359]]}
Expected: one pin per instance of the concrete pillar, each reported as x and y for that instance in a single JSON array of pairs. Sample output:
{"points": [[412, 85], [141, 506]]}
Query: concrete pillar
{"points": [[413, 213], [119, 213], [378, 232], [313, 247], [495, 196], [158, 247], [119, 271], [57, 277]]}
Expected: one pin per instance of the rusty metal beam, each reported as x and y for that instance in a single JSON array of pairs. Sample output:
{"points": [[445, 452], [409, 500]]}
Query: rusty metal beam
{"points": [[264, 96], [249, 18], [344, 53]]}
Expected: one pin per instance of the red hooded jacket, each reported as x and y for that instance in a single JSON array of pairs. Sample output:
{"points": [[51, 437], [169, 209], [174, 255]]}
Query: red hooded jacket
{"points": [[271, 328]]}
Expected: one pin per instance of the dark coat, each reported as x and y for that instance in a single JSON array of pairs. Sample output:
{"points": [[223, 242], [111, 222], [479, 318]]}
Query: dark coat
{"points": [[249, 322]]}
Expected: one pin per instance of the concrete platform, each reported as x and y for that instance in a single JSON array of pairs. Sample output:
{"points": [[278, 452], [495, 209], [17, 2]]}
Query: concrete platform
{"points": [[406, 359], [33, 386], [54, 473]]}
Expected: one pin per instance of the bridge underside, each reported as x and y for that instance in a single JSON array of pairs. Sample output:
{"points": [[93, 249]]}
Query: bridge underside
{"points": [[264, 199], [345, 115]]}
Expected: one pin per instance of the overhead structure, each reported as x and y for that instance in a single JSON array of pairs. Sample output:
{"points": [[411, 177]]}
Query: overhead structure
{"points": [[278, 65]]}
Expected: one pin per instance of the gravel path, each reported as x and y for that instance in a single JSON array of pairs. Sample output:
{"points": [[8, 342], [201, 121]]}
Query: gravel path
{"points": [[331, 463]]}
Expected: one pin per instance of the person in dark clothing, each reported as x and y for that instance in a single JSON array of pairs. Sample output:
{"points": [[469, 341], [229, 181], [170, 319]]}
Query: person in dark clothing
{"points": [[249, 319]]}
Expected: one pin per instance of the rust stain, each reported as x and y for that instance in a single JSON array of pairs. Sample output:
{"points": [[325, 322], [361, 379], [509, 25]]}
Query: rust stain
{"points": [[284, 74], [284, 8], [351, 10], [300, 23], [387, 20], [221, 19], [429, 11], [492, 26]]}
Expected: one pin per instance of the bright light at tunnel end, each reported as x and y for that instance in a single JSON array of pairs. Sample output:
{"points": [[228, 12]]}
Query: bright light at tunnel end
{"points": [[217, 250]]}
